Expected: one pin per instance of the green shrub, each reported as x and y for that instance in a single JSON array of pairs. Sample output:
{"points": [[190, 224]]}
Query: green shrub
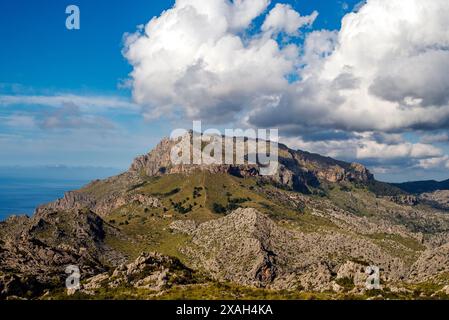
{"points": [[346, 282], [218, 208]]}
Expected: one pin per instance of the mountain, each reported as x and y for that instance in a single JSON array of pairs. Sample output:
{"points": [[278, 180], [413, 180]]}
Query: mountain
{"points": [[431, 193], [161, 231], [417, 187]]}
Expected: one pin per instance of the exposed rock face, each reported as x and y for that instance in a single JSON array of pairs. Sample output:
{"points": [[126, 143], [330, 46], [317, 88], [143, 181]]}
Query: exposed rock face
{"points": [[431, 263], [297, 169], [184, 226], [252, 261], [101, 205], [353, 271], [438, 199], [149, 271], [72, 200], [329, 169], [156, 162], [16, 286], [408, 200], [249, 248], [36, 255]]}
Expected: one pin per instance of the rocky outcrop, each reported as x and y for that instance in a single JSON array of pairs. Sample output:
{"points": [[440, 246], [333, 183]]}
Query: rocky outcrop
{"points": [[248, 248], [72, 200], [297, 170], [408, 200], [246, 234], [150, 271], [101, 205], [431, 264], [330, 170], [354, 272], [36, 256], [438, 199], [17, 287], [156, 162]]}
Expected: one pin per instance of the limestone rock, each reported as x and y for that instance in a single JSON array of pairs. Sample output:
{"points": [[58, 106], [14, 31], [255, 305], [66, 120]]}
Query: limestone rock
{"points": [[431, 263], [297, 169], [151, 271], [409, 200], [353, 271], [248, 248], [439, 199]]}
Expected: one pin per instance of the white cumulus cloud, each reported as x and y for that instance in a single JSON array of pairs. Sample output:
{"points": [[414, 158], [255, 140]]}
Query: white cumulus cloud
{"points": [[284, 18], [195, 58], [385, 71]]}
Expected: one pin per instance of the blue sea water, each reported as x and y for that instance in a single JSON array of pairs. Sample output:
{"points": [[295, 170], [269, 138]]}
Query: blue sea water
{"points": [[22, 190], [22, 195]]}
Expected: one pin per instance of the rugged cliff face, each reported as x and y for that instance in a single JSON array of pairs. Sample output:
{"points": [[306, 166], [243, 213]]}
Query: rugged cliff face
{"points": [[314, 226], [248, 247], [36, 251], [297, 170]]}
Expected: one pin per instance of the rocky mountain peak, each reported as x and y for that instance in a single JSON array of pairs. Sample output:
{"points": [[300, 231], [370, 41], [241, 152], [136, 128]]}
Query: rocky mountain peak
{"points": [[227, 222], [297, 169], [238, 247]]}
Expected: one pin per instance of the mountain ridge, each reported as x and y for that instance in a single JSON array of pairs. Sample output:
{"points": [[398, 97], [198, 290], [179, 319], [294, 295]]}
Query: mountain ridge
{"points": [[415, 187], [311, 227]]}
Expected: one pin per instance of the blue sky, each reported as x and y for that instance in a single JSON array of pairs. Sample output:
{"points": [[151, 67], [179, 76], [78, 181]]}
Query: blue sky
{"points": [[41, 57], [64, 98], [40, 54]]}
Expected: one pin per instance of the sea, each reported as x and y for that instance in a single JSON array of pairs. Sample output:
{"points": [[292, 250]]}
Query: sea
{"points": [[24, 189]]}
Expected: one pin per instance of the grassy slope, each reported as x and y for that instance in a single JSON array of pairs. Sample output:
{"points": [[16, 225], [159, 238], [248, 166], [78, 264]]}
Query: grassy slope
{"points": [[147, 229]]}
